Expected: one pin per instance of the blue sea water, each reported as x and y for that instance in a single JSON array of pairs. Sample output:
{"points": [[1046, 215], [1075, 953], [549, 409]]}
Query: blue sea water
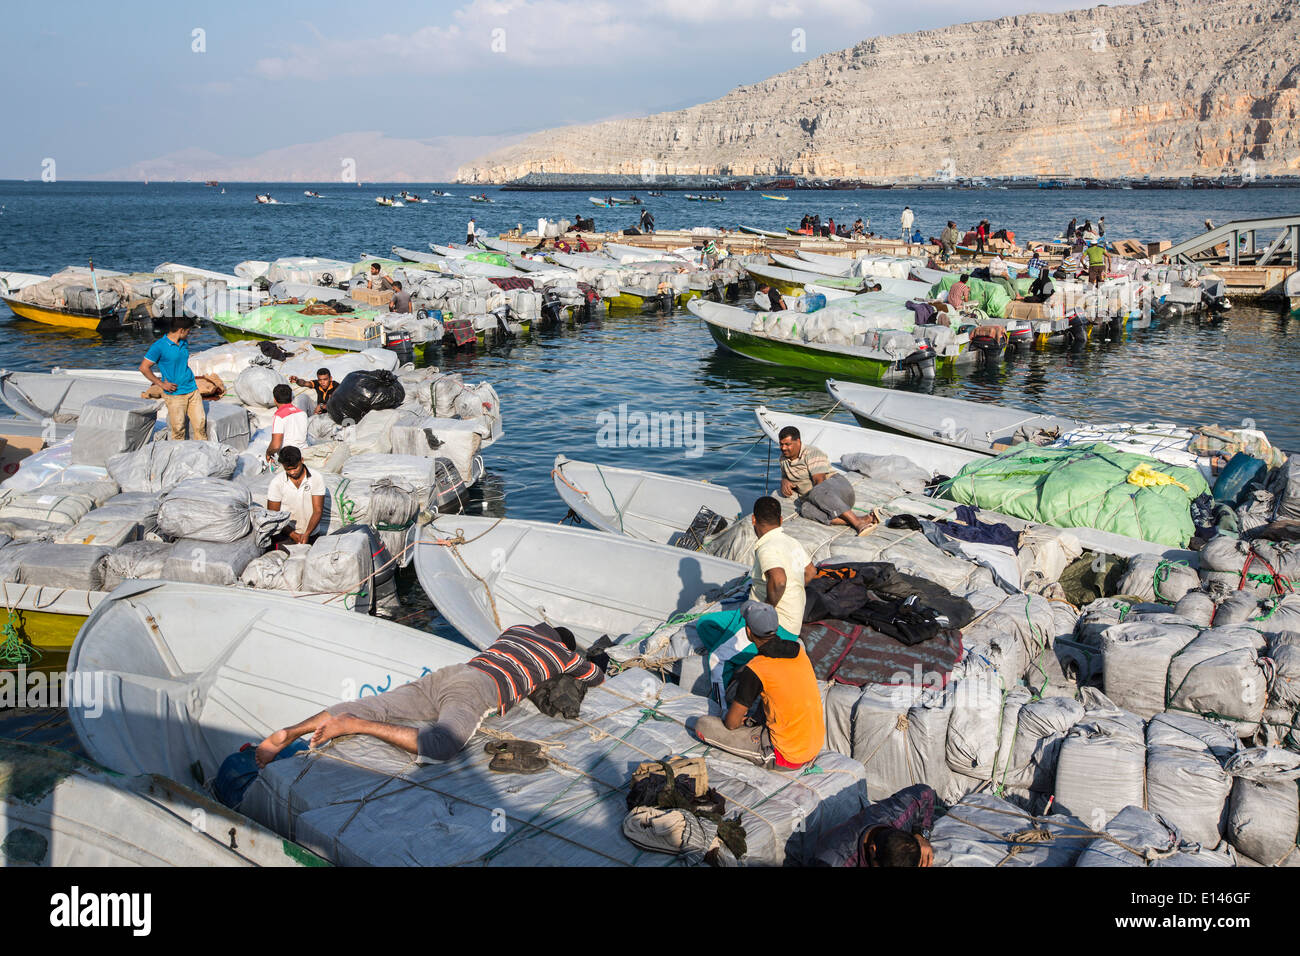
{"points": [[555, 387]]}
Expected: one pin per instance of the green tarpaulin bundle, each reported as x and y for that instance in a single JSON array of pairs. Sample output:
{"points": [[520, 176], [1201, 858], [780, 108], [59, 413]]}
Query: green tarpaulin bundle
{"points": [[1082, 486], [283, 319], [989, 296]]}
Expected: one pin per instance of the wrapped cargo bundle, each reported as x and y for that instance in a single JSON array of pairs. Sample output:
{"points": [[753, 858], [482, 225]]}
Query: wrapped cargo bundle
{"points": [[256, 384], [1150, 577], [161, 466], [112, 424], [205, 509], [1263, 820], [1261, 567], [75, 566], [1101, 766], [55, 506], [1141, 838], [279, 570], [1136, 658], [1039, 730], [136, 560], [207, 562], [983, 830], [1186, 782], [123, 518], [1220, 674]]}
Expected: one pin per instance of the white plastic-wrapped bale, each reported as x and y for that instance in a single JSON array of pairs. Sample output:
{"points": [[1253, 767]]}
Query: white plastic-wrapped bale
{"points": [[205, 509], [984, 830], [209, 562], [30, 529], [1136, 660], [449, 438], [905, 473], [112, 424], [1186, 782], [1101, 766], [1264, 809], [100, 491], [562, 817], [339, 563], [161, 466], [1139, 837], [55, 506], [1044, 553], [1220, 674], [137, 560], [225, 361], [1197, 607], [256, 384], [1151, 577], [407, 469], [899, 735], [1014, 633], [383, 503], [973, 741], [228, 423], [279, 570], [268, 525], [1277, 615], [373, 435], [106, 526], [1040, 728], [77, 567]]}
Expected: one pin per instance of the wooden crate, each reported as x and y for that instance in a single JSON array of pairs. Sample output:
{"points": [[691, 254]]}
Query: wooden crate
{"points": [[354, 330], [375, 297]]}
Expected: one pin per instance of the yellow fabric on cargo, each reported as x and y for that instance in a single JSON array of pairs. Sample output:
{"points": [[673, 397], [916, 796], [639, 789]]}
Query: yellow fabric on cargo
{"points": [[1147, 477]]}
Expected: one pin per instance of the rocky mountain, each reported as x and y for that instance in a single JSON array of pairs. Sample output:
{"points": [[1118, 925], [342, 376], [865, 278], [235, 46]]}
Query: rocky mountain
{"points": [[375, 159], [1167, 88]]}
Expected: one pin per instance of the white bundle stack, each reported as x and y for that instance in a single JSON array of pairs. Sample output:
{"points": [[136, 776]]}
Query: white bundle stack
{"points": [[279, 570], [207, 562], [899, 734], [1196, 607], [1039, 730], [1101, 766], [340, 563], [1220, 673], [410, 470], [1141, 838], [124, 518], [1152, 577], [306, 363], [309, 269], [256, 384], [1159, 440], [1224, 561], [228, 423], [978, 726], [1136, 660], [449, 438], [205, 509], [1186, 782], [225, 361], [1012, 632], [112, 424], [136, 560], [45, 564], [55, 506], [1263, 821], [892, 342], [983, 830], [1284, 652]]}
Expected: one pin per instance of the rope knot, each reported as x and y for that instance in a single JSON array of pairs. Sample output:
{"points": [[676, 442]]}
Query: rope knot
{"points": [[901, 724]]}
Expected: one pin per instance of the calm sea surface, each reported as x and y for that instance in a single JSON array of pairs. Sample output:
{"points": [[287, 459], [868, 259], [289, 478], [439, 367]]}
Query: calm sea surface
{"points": [[554, 387]]}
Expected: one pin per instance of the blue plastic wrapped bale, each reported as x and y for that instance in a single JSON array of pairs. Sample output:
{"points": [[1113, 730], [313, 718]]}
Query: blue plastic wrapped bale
{"points": [[1241, 471], [814, 301]]}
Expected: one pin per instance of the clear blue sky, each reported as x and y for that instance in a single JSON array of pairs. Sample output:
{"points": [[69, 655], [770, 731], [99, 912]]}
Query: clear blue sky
{"points": [[100, 85]]}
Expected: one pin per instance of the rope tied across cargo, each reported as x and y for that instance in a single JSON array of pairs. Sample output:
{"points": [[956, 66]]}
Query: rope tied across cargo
{"points": [[1020, 840]]}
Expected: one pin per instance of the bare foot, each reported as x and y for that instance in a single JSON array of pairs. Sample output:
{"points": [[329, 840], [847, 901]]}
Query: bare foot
{"points": [[272, 745]]}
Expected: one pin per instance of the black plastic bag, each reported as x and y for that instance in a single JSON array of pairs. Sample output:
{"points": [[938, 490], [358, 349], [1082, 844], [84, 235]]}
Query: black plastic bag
{"points": [[364, 391]]}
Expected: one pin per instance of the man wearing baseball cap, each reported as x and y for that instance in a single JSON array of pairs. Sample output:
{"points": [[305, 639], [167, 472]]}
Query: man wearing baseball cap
{"points": [[793, 729]]}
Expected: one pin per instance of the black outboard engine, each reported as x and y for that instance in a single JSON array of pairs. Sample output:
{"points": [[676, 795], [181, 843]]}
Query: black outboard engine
{"points": [[590, 300], [1076, 333], [920, 364], [552, 309], [400, 342], [990, 341], [718, 290], [664, 301]]}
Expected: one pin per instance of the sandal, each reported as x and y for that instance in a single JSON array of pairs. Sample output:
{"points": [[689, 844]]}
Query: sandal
{"points": [[511, 762], [522, 748]]}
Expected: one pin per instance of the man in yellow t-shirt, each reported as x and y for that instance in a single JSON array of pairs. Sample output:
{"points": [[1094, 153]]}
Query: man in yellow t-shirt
{"points": [[781, 568]]}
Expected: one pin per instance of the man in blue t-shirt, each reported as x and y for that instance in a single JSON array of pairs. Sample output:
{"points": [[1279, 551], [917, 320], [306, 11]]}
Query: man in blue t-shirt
{"points": [[167, 365]]}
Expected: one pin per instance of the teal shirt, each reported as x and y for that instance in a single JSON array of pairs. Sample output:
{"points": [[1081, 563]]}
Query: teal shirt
{"points": [[173, 361], [727, 647]]}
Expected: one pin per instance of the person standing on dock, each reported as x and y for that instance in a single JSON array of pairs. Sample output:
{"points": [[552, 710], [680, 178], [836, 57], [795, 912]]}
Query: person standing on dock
{"points": [[907, 218], [1101, 227], [948, 240], [170, 356], [647, 222], [471, 232], [1071, 229], [1098, 260]]}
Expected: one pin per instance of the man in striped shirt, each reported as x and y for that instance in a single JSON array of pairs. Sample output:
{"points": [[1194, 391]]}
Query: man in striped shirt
{"points": [[434, 716]]}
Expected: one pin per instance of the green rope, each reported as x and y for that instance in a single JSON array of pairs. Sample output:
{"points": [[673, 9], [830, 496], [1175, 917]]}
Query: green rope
{"points": [[675, 621], [617, 510], [345, 506], [13, 649], [1163, 568]]}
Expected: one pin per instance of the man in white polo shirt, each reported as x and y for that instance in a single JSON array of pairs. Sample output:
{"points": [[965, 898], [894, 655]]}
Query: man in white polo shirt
{"points": [[289, 426], [297, 489], [781, 568]]}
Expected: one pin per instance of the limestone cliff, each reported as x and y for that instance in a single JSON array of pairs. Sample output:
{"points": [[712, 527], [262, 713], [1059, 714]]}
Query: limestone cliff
{"points": [[1164, 88]]}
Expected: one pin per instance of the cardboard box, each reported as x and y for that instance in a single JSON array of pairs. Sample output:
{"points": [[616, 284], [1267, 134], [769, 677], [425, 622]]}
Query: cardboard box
{"points": [[14, 448], [1156, 248], [1026, 311], [353, 329], [374, 297]]}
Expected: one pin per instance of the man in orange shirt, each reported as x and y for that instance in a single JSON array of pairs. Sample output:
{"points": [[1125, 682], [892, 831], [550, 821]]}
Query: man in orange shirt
{"points": [[780, 674]]}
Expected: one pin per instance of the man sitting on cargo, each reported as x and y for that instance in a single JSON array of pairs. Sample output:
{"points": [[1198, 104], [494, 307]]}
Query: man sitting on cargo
{"points": [[435, 715], [793, 728], [288, 425], [891, 832], [324, 386], [301, 490], [401, 299], [170, 356], [377, 281], [959, 293], [828, 497], [1042, 288]]}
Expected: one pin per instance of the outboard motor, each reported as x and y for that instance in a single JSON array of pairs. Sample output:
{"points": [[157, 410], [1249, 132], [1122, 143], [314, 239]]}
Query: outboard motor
{"points": [[664, 301], [590, 302], [503, 326], [991, 341], [920, 364], [552, 309], [400, 342], [1020, 336], [1076, 334], [719, 291]]}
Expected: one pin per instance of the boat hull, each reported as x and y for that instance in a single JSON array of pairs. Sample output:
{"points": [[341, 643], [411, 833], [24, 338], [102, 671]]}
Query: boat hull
{"points": [[65, 320], [329, 346], [794, 355]]}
